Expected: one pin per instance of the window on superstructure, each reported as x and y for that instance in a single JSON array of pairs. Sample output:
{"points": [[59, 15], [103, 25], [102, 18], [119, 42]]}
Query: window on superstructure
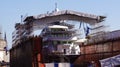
{"points": [[61, 42], [64, 42], [55, 42], [58, 42], [69, 42], [60, 35], [53, 30]]}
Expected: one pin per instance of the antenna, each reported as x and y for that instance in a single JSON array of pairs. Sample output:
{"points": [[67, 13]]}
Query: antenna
{"points": [[5, 38], [55, 5], [21, 18], [56, 9], [0, 35]]}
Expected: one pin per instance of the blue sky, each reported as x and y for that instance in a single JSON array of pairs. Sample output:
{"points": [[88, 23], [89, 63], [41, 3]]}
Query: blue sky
{"points": [[11, 10]]}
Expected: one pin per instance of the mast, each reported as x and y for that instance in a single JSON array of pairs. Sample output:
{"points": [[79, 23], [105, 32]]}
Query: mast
{"points": [[56, 8], [0, 32]]}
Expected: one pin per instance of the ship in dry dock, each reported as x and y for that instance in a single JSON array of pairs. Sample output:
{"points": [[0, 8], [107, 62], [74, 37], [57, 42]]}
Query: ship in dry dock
{"points": [[59, 42]]}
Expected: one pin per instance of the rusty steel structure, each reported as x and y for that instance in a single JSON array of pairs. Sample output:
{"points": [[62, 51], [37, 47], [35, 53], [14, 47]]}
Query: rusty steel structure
{"points": [[99, 47], [27, 53]]}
